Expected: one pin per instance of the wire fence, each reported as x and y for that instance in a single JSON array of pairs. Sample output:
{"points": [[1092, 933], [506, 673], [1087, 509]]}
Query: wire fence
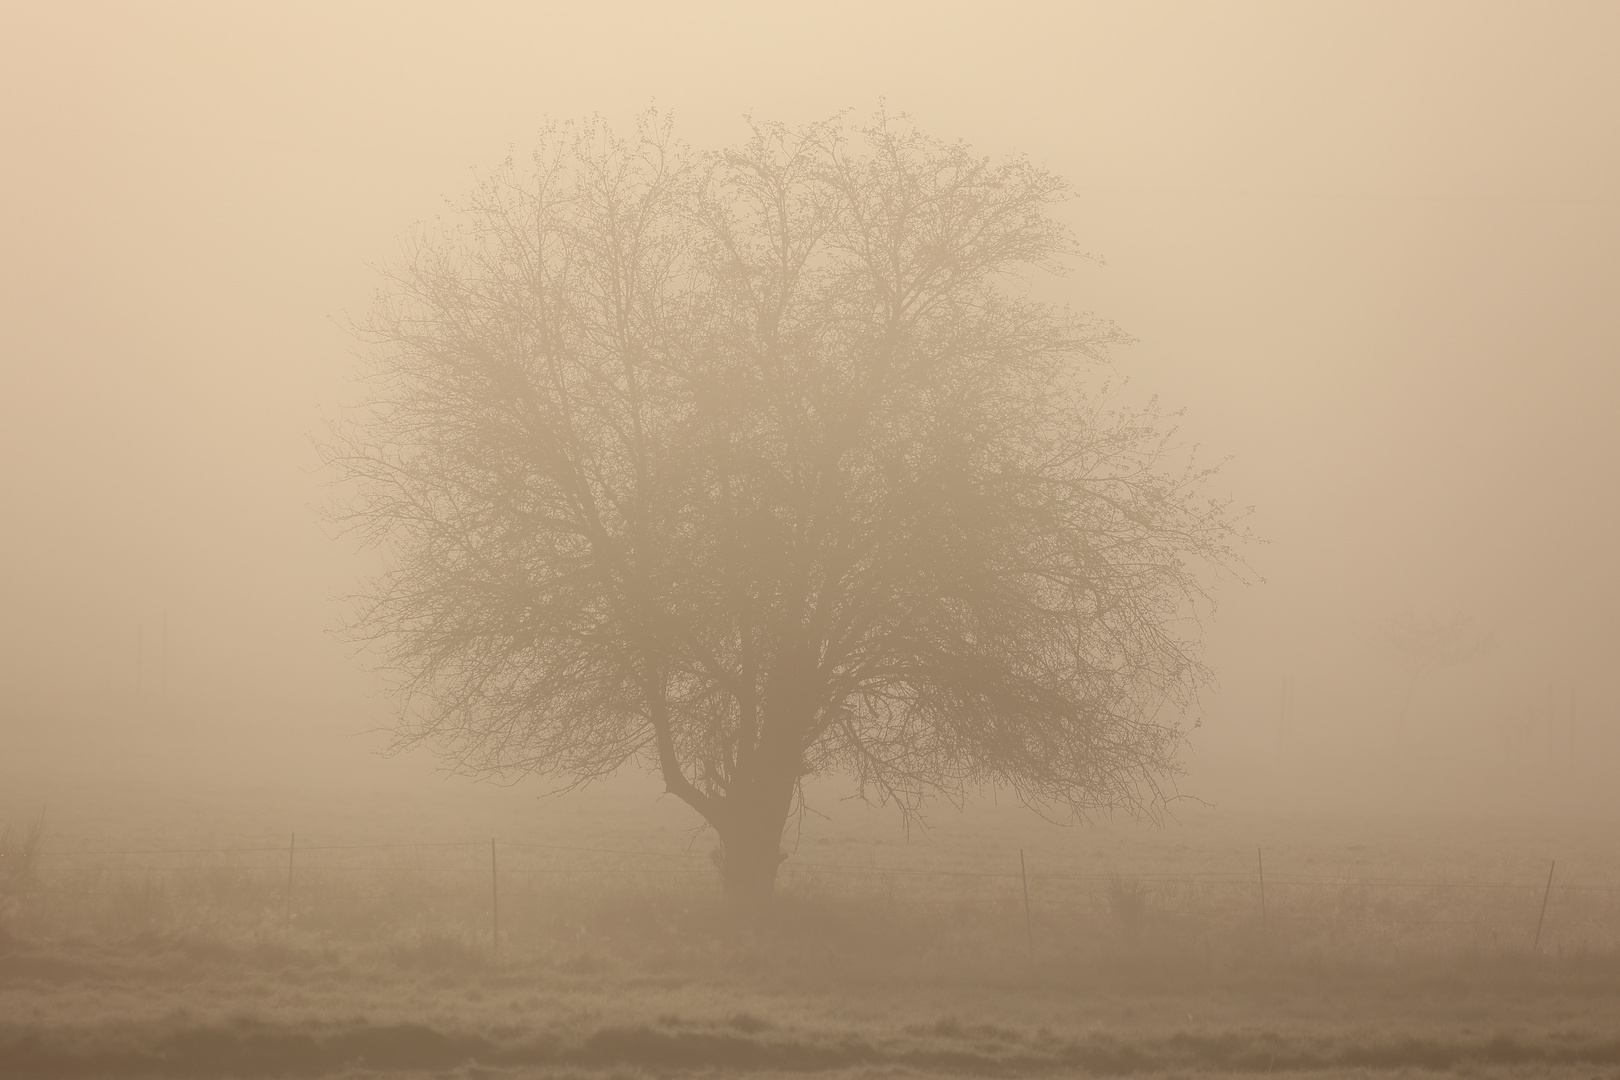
{"points": [[508, 893]]}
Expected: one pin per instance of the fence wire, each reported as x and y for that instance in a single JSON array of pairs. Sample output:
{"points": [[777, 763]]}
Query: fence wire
{"points": [[316, 887]]}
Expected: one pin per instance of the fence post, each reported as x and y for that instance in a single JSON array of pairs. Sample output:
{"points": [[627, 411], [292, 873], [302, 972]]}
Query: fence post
{"points": [[1029, 932], [1260, 859], [494, 907], [1545, 896], [292, 844]]}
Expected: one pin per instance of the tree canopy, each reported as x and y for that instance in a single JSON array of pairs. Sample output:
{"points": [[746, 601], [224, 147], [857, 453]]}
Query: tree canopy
{"points": [[760, 464]]}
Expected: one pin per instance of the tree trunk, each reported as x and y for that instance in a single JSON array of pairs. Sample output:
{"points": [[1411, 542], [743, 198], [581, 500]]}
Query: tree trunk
{"points": [[751, 843]]}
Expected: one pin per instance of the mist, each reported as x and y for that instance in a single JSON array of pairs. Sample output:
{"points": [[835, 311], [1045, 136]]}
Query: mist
{"points": [[1369, 254]]}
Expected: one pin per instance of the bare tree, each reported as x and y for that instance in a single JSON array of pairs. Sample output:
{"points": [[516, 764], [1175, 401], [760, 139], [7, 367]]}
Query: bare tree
{"points": [[757, 465], [1424, 646]]}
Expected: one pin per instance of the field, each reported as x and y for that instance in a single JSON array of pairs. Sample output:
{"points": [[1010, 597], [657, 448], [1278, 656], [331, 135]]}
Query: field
{"points": [[155, 934]]}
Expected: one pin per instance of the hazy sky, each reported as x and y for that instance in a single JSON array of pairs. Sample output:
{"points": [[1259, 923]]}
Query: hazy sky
{"points": [[1373, 249]]}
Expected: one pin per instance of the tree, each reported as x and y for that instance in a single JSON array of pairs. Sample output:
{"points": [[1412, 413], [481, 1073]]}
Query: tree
{"points": [[1423, 646], [762, 464]]}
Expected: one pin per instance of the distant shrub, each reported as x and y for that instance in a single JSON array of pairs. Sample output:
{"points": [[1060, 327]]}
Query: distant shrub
{"points": [[1128, 902]]}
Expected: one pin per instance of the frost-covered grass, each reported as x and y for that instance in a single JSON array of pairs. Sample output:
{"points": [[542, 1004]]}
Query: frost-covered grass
{"points": [[861, 994], [1384, 947]]}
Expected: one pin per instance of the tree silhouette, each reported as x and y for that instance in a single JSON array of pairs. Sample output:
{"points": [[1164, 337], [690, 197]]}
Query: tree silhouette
{"points": [[1423, 646], [762, 464]]}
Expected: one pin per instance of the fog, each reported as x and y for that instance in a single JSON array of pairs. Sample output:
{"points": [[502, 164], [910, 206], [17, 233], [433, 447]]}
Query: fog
{"points": [[798, 466], [1371, 250]]}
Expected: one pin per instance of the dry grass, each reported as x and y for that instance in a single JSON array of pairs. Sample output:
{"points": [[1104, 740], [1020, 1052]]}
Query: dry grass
{"points": [[826, 988], [549, 899], [876, 960]]}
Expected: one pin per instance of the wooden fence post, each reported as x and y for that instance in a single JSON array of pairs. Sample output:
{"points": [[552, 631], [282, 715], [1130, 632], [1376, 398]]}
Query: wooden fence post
{"points": [[292, 844], [1260, 858], [1029, 932], [1545, 896]]}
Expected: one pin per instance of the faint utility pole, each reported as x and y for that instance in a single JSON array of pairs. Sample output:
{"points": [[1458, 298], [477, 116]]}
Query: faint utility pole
{"points": [[163, 661], [1285, 710], [1551, 734], [1574, 759]]}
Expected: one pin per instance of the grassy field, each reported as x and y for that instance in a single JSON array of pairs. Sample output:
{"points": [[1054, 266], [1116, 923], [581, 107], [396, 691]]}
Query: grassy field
{"points": [[1383, 946]]}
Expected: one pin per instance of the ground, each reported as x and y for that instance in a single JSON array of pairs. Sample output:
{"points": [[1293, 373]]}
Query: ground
{"points": [[759, 1005], [1384, 948]]}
